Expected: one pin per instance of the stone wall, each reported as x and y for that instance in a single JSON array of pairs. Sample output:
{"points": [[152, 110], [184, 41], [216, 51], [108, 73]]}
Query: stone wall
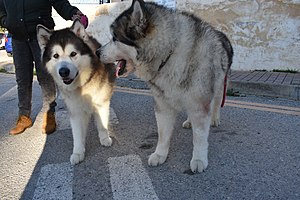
{"points": [[265, 33]]}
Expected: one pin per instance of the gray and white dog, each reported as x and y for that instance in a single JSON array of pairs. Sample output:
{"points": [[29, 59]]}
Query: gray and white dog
{"points": [[183, 59]]}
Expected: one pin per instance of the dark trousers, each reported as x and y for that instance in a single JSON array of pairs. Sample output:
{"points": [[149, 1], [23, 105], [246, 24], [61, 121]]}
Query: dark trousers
{"points": [[26, 56]]}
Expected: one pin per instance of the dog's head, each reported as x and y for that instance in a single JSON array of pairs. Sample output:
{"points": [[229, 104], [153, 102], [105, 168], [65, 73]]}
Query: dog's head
{"points": [[65, 53], [127, 31]]}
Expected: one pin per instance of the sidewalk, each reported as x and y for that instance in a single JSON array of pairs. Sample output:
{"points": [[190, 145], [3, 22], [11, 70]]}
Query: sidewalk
{"points": [[260, 83], [263, 83]]}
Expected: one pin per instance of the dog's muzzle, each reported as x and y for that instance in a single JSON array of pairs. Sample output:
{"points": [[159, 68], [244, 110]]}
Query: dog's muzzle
{"points": [[64, 72]]}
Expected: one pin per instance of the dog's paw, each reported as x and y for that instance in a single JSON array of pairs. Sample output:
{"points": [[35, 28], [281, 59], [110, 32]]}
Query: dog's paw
{"points": [[215, 122], [198, 165], [76, 158], [106, 141], [187, 124], [156, 159]]}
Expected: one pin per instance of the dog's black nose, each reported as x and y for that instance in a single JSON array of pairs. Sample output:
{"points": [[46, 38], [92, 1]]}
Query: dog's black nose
{"points": [[98, 53], [64, 72]]}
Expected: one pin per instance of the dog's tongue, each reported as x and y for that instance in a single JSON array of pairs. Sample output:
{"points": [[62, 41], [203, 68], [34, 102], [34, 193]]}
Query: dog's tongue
{"points": [[120, 67]]}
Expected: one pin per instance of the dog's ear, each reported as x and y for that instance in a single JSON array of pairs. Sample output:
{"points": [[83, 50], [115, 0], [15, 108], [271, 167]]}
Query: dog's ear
{"points": [[79, 30], [43, 35], [138, 12]]}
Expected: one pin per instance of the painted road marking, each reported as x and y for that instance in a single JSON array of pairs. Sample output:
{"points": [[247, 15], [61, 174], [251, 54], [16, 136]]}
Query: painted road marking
{"points": [[132, 91], [63, 117], [264, 107], [55, 182], [11, 93], [129, 179], [232, 103]]}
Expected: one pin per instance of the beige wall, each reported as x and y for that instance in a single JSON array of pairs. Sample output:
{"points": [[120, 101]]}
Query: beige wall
{"points": [[265, 33]]}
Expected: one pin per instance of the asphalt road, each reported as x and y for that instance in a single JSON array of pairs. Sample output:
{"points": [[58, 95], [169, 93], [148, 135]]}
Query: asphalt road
{"points": [[253, 154]]}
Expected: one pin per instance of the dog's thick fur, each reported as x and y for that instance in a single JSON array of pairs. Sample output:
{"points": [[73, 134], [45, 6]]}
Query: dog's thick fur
{"points": [[85, 84], [183, 59]]}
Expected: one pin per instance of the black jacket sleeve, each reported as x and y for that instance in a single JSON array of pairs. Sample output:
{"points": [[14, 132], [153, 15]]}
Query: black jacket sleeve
{"points": [[64, 8], [2, 14]]}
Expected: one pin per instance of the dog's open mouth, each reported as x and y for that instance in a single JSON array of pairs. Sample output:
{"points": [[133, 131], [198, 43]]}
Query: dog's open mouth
{"points": [[121, 68], [68, 80]]}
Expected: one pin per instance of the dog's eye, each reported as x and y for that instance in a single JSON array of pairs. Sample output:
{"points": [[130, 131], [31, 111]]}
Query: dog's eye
{"points": [[73, 54], [55, 56]]}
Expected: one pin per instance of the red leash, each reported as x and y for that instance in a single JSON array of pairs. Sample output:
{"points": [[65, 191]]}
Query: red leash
{"points": [[224, 91]]}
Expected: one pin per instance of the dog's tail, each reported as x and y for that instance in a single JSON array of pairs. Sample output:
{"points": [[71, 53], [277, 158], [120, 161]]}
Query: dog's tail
{"points": [[224, 90], [227, 63]]}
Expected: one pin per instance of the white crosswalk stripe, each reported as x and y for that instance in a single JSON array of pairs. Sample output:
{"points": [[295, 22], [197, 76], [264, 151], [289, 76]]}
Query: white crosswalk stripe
{"points": [[12, 92], [129, 179], [55, 182], [62, 117]]}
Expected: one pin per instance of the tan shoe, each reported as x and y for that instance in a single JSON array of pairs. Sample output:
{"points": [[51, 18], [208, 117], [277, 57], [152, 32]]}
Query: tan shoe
{"points": [[49, 124], [22, 123]]}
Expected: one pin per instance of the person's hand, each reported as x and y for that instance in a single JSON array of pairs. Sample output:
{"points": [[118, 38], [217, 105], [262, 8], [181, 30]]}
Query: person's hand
{"points": [[82, 18]]}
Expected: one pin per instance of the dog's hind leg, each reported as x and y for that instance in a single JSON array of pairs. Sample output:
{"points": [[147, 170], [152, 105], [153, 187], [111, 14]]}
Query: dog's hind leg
{"points": [[79, 124], [216, 105], [102, 119], [165, 118], [200, 120]]}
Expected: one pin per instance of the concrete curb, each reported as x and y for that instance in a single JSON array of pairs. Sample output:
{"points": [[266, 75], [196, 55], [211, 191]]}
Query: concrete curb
{"points": [[240, 87], [265, 89], [7, 66]]}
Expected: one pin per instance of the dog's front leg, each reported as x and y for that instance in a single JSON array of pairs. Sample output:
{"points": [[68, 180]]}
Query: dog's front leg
{"points": [[165, 118], [200, 124], [102, 119], [79, 124]]}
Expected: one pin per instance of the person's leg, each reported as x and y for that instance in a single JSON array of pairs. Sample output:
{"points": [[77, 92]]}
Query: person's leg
{"points": [[23, 62], [48, 90]]}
